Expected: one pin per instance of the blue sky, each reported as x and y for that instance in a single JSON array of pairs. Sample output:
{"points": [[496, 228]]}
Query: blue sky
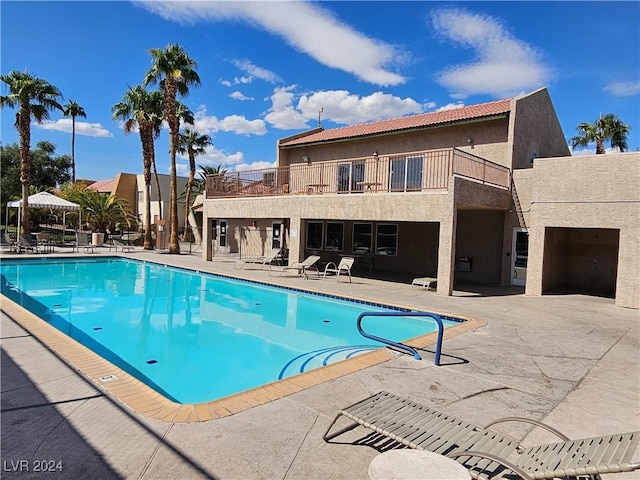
{"points": [[268, 68]]}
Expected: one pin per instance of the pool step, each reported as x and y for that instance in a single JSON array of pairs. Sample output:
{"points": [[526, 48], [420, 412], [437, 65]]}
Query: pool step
{"points": [[321, 358]]}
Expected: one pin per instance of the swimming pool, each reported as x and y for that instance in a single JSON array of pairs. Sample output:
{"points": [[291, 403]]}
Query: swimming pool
{"points": [[195, 337]]}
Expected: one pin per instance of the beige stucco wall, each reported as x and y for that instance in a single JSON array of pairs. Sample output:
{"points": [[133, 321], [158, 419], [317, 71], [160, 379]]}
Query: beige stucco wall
{"points": [[588, 192], [125, 186], [535, 130], [156, 211], [489, 141]]}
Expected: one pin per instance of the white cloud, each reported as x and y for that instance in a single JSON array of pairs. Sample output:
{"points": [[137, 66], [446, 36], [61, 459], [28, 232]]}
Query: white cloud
{"points": [[338, 106], [343, 107], [257, 72], [623, 89], [243, 167], [283, 114], [82, 128], [239, 96], [505, 65], [237, 124], [450, 106], [212, 157], [305, 26]]}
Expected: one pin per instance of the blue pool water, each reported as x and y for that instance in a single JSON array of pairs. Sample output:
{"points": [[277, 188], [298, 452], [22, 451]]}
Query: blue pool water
{"points": [[195, 337]]}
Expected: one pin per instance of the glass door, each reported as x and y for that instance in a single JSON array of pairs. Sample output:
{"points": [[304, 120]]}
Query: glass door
{"points": [[519, 256]]}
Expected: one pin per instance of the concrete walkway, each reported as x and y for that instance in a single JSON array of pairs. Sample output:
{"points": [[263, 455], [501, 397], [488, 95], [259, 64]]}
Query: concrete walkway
{"points": [[572, 361]]}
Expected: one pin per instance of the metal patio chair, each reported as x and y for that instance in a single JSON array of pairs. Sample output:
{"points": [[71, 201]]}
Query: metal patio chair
{"points": [[486, 453]]}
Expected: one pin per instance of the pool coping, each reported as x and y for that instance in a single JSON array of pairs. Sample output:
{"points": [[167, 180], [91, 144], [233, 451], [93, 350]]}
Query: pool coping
{"points": [[143, 400]]}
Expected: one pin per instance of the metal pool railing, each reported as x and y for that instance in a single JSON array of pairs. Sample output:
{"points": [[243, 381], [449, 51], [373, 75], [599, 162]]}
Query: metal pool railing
{"points": [[399, 345]]}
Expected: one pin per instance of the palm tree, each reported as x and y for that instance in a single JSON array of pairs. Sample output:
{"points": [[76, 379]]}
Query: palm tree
{"points": [[192, 143], [34, 97], [175, 72], [201, 183], [104, 211], [73, 110], [142, 108], [607, 127], [186, 116]]}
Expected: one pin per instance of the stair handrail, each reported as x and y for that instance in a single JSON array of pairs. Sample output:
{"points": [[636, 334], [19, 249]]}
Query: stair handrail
{"points": [[399, 345]]}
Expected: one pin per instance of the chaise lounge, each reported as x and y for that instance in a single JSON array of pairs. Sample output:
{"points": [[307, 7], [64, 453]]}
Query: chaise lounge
{"points": [[424, 282], [261, 260], [484, 452], [303, 267]]}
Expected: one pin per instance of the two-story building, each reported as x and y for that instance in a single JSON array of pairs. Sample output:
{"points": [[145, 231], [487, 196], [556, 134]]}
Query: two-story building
{"points": [[455, 194]]}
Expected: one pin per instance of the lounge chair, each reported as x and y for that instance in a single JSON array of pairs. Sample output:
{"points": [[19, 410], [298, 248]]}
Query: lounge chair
{"points": [[485, 452], [7, 244], [302, 268], [82, 240], [261, 260], [424, 282], [26, 242], [343, 267], [124, 248]]}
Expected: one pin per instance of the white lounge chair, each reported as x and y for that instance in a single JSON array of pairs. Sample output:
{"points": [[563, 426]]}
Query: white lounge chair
{"points": [[343, 267], [424, 282], [124, 248], [82, 240], [302, 267], [261, 260], [7, 244]]}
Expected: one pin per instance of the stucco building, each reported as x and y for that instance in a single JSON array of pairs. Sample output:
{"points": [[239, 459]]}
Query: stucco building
{"points": [[484, 194]]}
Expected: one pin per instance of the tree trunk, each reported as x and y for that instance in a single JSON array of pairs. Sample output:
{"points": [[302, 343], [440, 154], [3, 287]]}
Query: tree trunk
{"points": [[187, 205], [24, 127], [174, 127], [73, 149], [146, 137]]}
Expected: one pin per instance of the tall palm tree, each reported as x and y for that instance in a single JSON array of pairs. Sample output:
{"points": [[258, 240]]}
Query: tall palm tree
{"points": [[34, 97], [73, 110], [185, 116], [175, 71], [192, 143], [607, 127], [144, 109]]}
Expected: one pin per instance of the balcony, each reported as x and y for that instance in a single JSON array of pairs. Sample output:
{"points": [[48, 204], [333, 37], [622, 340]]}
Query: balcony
{"points": [[405, 172]]}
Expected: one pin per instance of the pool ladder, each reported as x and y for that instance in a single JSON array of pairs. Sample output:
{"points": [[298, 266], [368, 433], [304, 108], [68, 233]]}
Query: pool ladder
{"points": [[402, 346]]}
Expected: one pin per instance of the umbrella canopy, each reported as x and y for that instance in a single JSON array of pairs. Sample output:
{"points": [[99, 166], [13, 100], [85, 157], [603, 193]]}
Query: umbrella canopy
{"points": [[46, 200]]}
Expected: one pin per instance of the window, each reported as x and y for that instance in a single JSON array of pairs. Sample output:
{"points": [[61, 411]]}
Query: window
{"points": [[140, 196], [406, 173], [335, 236], [386, 239], [314, 235], [351, 176], [362, 237]]}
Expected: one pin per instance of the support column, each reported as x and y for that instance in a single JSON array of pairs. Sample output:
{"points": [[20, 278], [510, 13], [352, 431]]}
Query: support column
{"points": [[296, 240], [535, 260], [447, 254], [207, 237]]}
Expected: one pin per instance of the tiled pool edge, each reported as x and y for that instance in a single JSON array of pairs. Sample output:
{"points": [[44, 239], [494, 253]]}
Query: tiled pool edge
{"points": [[145, 401]]}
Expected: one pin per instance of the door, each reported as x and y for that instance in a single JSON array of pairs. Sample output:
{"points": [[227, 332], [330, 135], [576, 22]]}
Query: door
{"points": [[276, 231], [222, 239], [519, 256]]}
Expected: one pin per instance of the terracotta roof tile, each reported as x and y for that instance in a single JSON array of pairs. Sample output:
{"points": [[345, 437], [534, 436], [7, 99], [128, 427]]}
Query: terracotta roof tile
{"points": [[402, 123], [103, 186]]}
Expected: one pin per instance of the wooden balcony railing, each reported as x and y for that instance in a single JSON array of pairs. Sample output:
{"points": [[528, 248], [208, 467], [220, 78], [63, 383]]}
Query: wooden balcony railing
{"points": [[412, 171]]}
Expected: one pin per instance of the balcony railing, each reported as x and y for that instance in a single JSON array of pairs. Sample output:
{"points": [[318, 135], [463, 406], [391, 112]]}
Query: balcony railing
{"points": [[412, 171]]}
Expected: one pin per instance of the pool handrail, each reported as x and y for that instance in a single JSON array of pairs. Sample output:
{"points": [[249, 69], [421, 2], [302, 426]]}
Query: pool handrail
{"points": [[399, 345]]}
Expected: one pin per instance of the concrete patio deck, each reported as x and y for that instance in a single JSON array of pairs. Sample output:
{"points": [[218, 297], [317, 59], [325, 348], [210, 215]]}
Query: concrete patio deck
{"points": [[572, 361]]}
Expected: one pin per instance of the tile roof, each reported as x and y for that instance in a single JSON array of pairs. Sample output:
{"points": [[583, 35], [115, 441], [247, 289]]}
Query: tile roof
{"points": [[403, 123], [103, 186]]}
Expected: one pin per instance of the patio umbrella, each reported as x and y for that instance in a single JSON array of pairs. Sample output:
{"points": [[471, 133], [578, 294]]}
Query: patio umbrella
{"points": [[46, 200]]}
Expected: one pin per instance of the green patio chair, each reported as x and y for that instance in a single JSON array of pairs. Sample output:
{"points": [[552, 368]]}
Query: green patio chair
{"points": [[487, 453]]}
